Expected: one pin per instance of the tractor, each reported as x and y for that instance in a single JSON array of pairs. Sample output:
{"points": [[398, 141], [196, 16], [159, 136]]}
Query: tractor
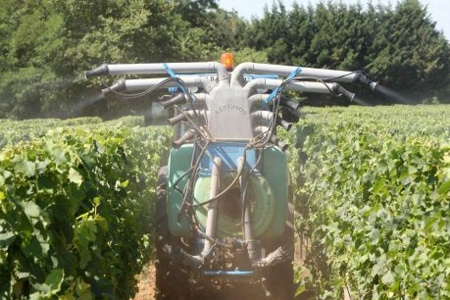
{"points": [[224, 209]]}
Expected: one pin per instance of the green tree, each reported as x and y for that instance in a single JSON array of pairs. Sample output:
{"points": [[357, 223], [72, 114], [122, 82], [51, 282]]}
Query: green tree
{"points": [[408, 50], [47, 44], [399, 46]]}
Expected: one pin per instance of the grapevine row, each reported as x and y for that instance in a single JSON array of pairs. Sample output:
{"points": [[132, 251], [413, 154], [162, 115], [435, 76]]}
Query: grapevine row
{"points": [[371, 186], [373, 196], [75, 211]]}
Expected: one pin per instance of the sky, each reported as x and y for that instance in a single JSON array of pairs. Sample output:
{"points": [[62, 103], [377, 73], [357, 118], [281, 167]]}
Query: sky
{"points": [[439, 10]]}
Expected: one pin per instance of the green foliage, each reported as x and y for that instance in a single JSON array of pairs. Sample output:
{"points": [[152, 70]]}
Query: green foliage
{"points": [[13, 131], [399, 47], [75, 211], [373, 194], [249, 55], [46, 45], [373, 191]]}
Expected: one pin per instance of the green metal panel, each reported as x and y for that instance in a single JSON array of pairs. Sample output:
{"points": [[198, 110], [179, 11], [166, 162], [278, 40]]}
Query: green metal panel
{"points": [[275, 174], [179, 162]]}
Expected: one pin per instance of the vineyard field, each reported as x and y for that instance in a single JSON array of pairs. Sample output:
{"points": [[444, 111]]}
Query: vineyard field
{"points": [[373, 197], [76, 206], [371, 185]]}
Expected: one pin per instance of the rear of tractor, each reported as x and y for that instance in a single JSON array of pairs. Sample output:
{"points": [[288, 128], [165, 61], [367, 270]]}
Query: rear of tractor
{"points": [[225, 211]]}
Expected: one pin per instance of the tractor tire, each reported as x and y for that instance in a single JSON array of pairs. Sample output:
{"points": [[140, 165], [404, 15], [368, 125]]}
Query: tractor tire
{"points": [[172, 281], [279, 279]]}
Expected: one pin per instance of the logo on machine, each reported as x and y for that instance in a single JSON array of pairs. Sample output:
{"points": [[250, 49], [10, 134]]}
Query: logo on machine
{"points": [[235, 107]]}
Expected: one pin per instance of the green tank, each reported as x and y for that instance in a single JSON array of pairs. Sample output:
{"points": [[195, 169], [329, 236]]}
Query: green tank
{"points": [[268, 195]]}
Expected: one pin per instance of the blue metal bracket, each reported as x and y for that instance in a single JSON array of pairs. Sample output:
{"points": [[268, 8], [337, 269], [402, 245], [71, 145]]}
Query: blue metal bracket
{"points": [[278, 89], [228, 273], [229, 153], [172, 74]]}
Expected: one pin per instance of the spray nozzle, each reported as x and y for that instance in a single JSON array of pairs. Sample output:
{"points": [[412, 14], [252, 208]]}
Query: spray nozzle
{"points": [[178, 99], [188, 135], [364, 79], [288, 103], [101, 70], [276, 141], [283, 123], [116, 87], [338, 89]]}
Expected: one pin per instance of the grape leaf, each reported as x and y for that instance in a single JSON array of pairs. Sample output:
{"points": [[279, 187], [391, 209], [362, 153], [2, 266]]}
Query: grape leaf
{"points": [[26, 167], [75, 177]]}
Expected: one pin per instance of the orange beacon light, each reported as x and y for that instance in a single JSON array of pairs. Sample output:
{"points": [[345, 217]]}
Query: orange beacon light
{"points": [[227, 61]]}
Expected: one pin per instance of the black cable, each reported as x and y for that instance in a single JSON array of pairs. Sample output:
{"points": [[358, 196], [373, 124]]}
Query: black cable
{"points": [[324, 81], [316, 79], [191, 179], [345, 75], [147, 91], [280, 88], [213, 240], [277, 100], [155, 87], [244, 194], [175, 185], [266, 135], [228, 187]]}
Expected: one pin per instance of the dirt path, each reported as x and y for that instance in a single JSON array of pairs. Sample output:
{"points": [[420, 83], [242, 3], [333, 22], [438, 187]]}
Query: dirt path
{"points": [[221, 291], [146, 289], [146, 283]]}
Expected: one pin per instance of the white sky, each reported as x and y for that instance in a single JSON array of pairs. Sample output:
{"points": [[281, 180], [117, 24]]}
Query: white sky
{"points": [[438, 9]]}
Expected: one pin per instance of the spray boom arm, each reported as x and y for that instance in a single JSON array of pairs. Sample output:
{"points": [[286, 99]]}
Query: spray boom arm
{"points": [[301, 86], [237, 76], [252, 68], [230, 97], [159, 68]]}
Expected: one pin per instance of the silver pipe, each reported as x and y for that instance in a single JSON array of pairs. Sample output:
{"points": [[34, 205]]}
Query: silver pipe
{"points": [[158, 68], [143, 84], [253, 68], [184, 115], [213, 207], [248, 234], [202, 100], [301, 86], [260, 129], [201, 97], [257, 101], [261, 116], [181, 99], [258, 97]]}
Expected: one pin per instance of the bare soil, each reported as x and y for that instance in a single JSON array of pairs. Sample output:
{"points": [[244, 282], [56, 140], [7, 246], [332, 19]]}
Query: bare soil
{"points": [[146, 285], [146, 289]]}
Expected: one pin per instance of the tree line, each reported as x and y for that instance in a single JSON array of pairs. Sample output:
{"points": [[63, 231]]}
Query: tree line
{"points": [[45, 45]]}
